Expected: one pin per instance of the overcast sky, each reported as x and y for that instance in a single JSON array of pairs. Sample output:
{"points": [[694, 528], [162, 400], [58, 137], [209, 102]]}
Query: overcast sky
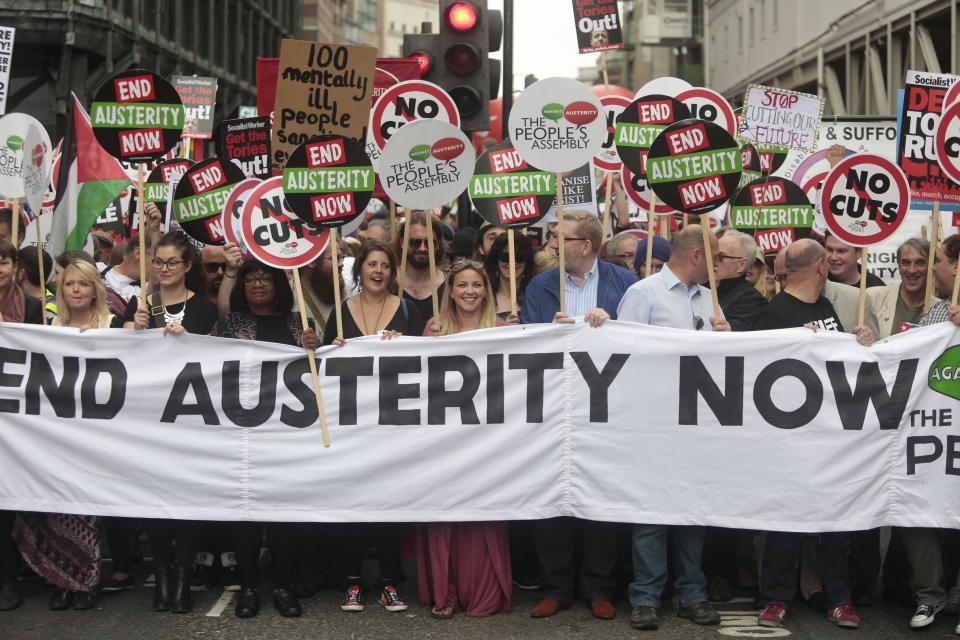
{"points": [[545, 40]]}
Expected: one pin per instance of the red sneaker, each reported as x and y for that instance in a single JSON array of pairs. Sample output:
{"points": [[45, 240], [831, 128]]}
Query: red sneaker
{"points": [[773, 615], [843, 615]]}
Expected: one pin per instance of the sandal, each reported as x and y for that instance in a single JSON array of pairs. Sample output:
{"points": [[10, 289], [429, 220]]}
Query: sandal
{"points": [[442, 613]]}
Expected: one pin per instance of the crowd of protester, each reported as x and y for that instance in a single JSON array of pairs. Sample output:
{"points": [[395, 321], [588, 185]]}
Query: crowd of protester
{"points": [[473, 567]]}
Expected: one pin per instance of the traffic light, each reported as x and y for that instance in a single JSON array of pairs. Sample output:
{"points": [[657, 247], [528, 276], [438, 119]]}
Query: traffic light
{"points": [[423, 48], [469, 32]]}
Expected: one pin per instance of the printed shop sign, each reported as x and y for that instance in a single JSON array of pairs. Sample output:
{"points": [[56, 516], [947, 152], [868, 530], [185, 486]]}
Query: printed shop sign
{"points": [[557, 124], [598, 25], [246, 143], [321, 89], [162, 179], [403, 103], [707, 104], [199, 96], [920, 109], [694, 166], [273, 234], [864, 199], [328, 181], [947, 140], [200, 196], [137, 116], [770, 203], [426, 164], [507, 192], [781, 117], [232, 210], [640, 123]]}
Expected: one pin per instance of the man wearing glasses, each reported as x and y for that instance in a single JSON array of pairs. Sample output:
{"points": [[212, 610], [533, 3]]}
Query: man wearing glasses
{"points": [[624, 246], [214, 268], [675, 298], [740, 301]]}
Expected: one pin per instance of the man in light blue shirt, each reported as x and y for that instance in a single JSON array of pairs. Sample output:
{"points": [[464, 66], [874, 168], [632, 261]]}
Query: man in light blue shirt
{"points": [[673, 298]]}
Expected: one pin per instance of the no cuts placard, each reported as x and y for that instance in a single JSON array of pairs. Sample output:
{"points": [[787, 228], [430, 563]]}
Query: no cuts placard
{"points": [[781, 117], [403, 103], [273, 234], [137, 116], [707, 104], [233, 210], [947, 139], [864, 199], [200, 196], [607, 158], [507, 191]]}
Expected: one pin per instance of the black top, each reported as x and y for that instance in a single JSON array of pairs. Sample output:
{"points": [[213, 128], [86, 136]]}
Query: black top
{"points": [[786, 311], [407, 320], [201, 315], [741, 302], [274, 329], [425, 306], [873, 280], [32, 310]]}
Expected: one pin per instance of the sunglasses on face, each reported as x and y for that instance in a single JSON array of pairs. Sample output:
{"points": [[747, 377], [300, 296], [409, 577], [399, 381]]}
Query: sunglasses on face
{"points": [[213, 267], [417, 242]]}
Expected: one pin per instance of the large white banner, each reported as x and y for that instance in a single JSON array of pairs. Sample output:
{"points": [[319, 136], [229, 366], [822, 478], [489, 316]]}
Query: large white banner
{"points": [[783, 430]]}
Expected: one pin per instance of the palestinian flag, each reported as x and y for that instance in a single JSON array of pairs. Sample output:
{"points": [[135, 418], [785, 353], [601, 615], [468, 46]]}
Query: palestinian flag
{"points": [[87, 179]]}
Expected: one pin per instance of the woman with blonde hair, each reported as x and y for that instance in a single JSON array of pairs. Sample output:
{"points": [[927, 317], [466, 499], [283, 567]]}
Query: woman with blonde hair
{"points": [[465, 566], [82, 298]]}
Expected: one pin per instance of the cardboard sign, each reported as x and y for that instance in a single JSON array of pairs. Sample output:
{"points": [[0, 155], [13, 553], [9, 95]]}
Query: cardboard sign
{"points": [[6, 61], [923, 102], [557, 124], [707, 104], [507, 191], [321, 89], [137, 116], [246, 143], [638, 190], [781, 117], [273, 234], [162, 180], [200, 197], [608, 158], [694, 166], [598, 25], [328, 181], [232, 210], [199, 96], [947, 139], [771, 241], [864, 199], [20, 135], [426, 164], [579, 192], [769, 203], [405, 102], [640, 123]]}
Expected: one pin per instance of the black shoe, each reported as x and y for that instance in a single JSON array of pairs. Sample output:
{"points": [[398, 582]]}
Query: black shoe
{"points": [[83, 601], [863, 596], [720, 590], [180, 589], [203, 574], [248, 603], [161, 588], [9, 594], [286, 604], [700, 613], [60, 600], [643, 617], [305, 588]]}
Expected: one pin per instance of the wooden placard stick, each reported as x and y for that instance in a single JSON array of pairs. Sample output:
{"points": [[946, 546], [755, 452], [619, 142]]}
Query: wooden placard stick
{"points": [[651, 215], [393, 219], [606, 204], [43, 277], [934, 241], [15, 224], [956, 287], [311, 358], [606, 79], [863, 288], [708, 254], [142, 236], [432, 262], [404, 248], [335, 265], [513, 272], [561, 253]]}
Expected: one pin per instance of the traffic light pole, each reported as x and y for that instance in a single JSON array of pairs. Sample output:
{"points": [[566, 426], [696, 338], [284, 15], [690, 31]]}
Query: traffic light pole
{"points": [[507, 96]]}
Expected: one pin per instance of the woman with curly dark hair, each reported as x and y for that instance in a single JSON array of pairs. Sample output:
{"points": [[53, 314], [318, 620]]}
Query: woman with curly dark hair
{"points": [[497, 266]]}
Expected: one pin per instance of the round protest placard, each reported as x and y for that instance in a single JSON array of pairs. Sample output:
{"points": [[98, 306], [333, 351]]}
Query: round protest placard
{"points": [[201, 195], [707, 104], [137, 116], [232, 210], [608, 158], [694, 166], [157, 187], [403, 103], [507, 192], [557, 124], [35, 173], [426, 164], [947, 140], [20, 135], [665, 86], [328, 181], [771, 203], [273, 235], [642, 121], [864, 199], [639, 192], [762, 159]]}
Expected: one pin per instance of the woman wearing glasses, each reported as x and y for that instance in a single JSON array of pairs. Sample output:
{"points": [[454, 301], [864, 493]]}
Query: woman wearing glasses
{"points": [[465, 566], [376, 310], [177, 304], [261, 309], [497, 267]]}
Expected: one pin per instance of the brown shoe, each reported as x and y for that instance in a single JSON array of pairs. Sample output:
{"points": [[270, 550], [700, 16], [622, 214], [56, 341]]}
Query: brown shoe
{"points": [[547, 607], [603, 610]]}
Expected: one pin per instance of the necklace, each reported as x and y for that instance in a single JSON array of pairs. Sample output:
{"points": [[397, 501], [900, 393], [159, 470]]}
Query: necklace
{"points": [[363, 316], [170, 317]]}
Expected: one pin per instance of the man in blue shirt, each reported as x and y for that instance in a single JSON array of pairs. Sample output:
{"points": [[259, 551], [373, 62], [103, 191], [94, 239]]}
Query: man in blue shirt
{"points": [[675, 298]]}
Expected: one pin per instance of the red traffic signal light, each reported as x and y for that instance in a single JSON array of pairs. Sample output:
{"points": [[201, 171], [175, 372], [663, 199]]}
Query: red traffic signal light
{"points": [[424, 60], [462, 16], [462, 58]]}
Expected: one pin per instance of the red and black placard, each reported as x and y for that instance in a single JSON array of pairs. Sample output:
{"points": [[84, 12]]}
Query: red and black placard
{"points": [[200, 198], [642, 121], [507, 191]]}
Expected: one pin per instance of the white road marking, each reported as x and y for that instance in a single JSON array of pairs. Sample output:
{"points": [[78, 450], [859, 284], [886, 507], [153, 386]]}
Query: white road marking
{"points": [[220, 605], [744, 625]]}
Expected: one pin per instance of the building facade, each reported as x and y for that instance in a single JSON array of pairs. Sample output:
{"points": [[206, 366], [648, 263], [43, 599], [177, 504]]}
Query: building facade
{"points": [[854, 52], [399, 17]]}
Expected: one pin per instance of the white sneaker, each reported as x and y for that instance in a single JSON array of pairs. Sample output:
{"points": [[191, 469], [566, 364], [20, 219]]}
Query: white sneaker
{"points": [[956, 629], [923, 616]]}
